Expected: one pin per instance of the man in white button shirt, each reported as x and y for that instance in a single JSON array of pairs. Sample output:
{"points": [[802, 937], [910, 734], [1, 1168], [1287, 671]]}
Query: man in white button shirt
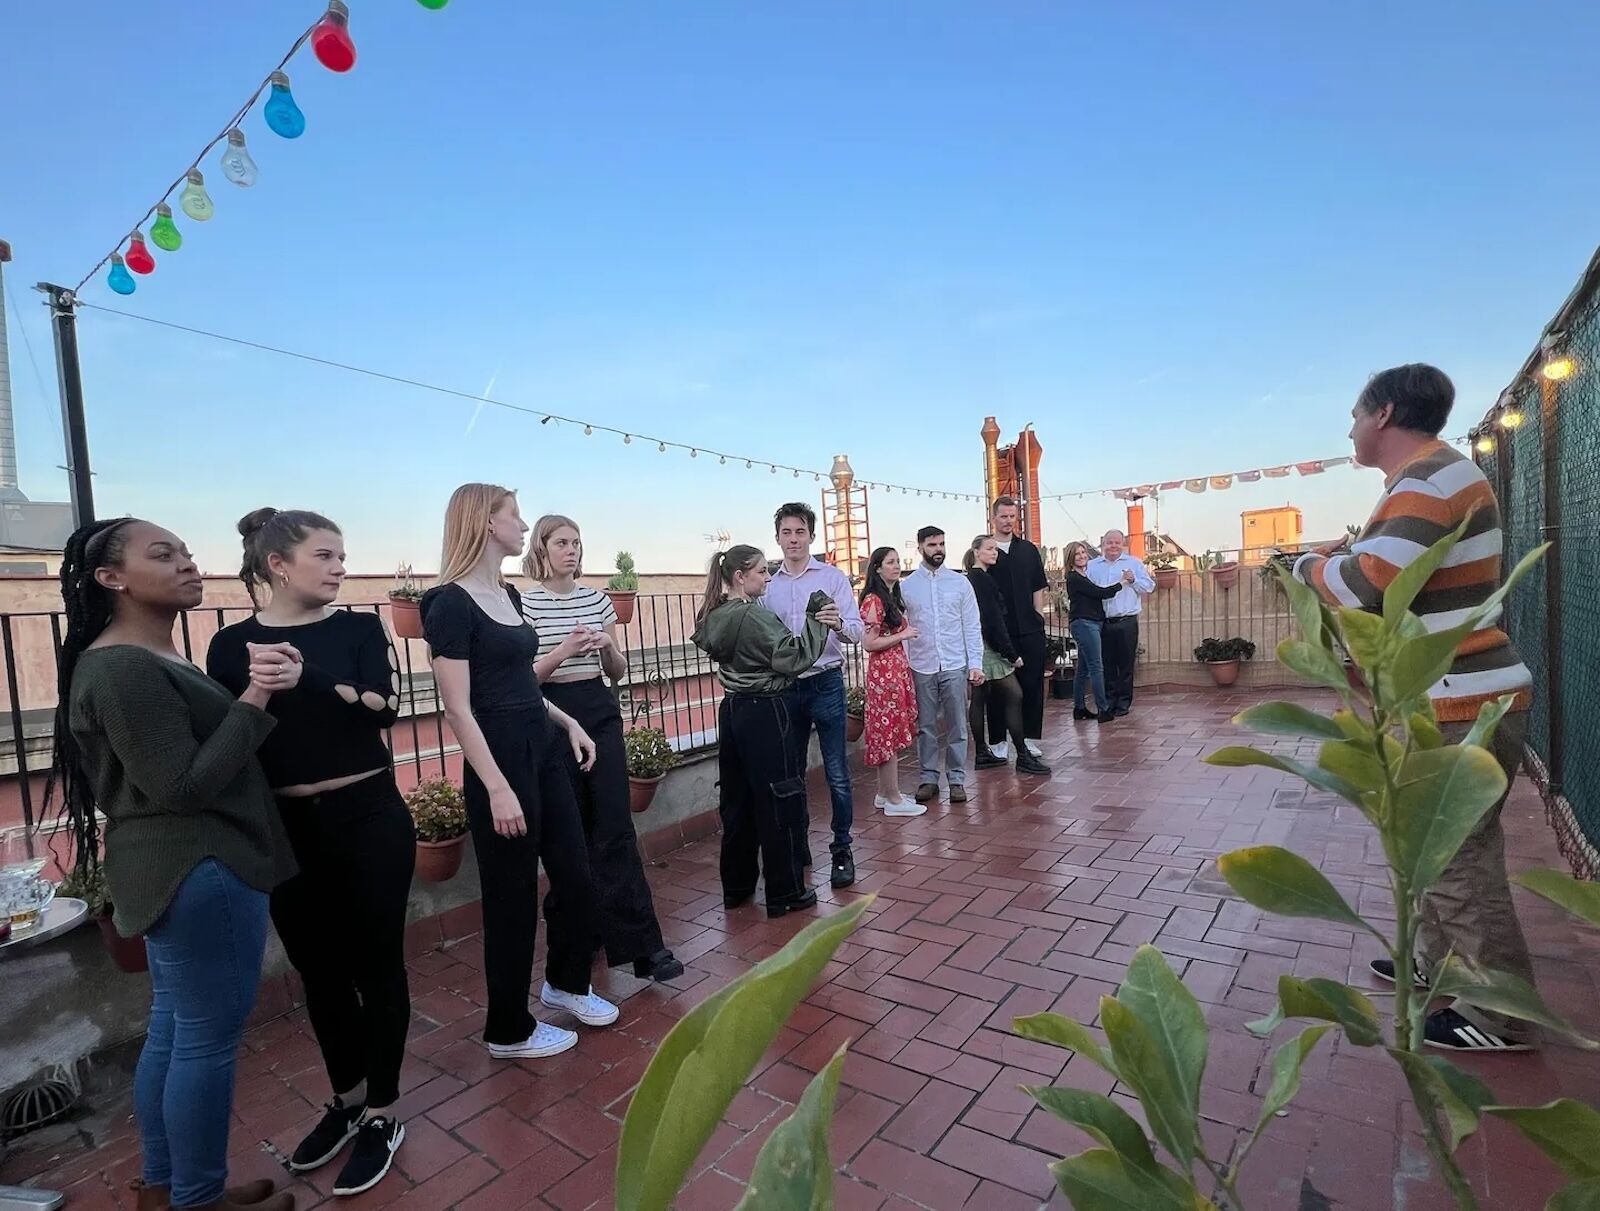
{"points": [[946, 657], [1121, 642]]}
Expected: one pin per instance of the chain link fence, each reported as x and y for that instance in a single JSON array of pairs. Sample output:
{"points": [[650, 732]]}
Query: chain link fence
{"points": [[1540, 447]]}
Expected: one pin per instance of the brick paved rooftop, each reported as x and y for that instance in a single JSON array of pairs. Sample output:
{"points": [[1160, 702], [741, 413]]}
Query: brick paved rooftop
{"points": [[1031, 896]]}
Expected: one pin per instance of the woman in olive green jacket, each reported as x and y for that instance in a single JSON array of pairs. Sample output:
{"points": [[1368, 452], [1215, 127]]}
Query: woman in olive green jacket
{"points": [[763, 802]]}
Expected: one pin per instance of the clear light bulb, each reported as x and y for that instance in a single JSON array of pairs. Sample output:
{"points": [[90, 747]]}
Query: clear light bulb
{"points": [[330, 40], [138, 257], [588, 430], [627, 439], [237, 165], [119, 279], [194, 199], [164, 232], [282, 114]]}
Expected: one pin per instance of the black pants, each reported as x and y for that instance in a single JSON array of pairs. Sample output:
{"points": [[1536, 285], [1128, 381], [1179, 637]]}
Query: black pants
{"points": [[1031, 678], [531, 754], [1119, 646], [1004, 696], [627, 914], [342, 920], [763, 799]]}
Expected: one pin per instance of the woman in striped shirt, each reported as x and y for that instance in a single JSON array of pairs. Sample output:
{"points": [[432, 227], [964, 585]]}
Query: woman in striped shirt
{"points": [[577, 629]]}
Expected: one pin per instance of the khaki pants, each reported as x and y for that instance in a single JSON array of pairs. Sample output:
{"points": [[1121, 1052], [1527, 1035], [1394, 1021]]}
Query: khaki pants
{"points": [[1469, 909]]}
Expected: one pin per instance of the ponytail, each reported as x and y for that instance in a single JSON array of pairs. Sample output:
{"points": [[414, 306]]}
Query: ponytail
{"points": [[725, 565]]}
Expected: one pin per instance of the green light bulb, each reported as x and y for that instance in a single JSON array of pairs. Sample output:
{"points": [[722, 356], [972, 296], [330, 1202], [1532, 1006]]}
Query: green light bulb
{"points": [[164, 231], [194, 199]]}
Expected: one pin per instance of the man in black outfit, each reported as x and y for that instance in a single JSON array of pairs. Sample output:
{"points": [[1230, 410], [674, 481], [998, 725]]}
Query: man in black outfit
{"points": [[1019, 573]]}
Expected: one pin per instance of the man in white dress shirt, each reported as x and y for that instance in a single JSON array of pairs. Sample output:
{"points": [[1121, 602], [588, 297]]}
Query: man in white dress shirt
{"points": [[946, 657], [1121, 642]]}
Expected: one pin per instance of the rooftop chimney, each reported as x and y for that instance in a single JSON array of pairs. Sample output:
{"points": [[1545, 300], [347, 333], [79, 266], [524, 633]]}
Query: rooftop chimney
{"points": [[9, 489]]}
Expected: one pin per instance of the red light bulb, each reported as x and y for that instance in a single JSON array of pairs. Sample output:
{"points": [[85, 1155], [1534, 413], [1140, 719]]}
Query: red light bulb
{"points": [[330, 40], [138, 257]]}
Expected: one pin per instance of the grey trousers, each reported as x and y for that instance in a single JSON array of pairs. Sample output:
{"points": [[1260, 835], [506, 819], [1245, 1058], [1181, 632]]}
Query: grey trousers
{"points": [[1469, 909], [942, 721]]}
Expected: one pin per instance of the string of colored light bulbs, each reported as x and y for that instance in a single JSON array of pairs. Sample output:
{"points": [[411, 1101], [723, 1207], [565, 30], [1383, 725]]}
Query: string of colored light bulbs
{"points": [[334, 48]]}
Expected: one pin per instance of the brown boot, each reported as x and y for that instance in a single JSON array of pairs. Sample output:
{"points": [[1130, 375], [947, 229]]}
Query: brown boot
{"points": [[250, 1194]]}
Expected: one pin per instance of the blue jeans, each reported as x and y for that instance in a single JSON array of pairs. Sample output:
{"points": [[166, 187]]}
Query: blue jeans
{"points": [[1086, 633], [205, 964], [819, 703]]}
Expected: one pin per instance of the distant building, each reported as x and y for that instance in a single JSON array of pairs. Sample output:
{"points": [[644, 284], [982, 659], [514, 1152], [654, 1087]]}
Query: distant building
{"points": [[1266, 530]]}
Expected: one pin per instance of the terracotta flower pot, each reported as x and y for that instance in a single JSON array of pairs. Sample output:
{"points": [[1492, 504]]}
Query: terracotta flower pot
{"points": [[405, 615], [854, 725], [1165, 578], [642, 792], [622, 602], [1223, 672], [127, 953], [1225, 575], [438, 861]]}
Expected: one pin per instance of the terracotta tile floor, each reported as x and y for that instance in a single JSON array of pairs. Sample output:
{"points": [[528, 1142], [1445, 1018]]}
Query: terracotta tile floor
{"points": [[1030, 897]]}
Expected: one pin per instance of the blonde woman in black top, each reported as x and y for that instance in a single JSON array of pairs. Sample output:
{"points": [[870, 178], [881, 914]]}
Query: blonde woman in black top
{"points": [[520, 804], [342, 919], [577, 629]]}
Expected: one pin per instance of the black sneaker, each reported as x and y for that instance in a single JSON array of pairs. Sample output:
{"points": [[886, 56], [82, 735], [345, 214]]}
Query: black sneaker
{"points": [[989, 759], [1027, 763], [376, 1142], [1449, 1031], [844, 867], [327, 1138], [806, 899], [1384, 970], [661, 966]]}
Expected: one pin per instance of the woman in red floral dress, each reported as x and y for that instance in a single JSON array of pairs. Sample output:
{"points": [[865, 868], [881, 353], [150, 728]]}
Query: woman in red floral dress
{"points": [[891, 698]]}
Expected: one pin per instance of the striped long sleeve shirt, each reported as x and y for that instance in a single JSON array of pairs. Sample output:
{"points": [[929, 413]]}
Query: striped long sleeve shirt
{"points": [[1423, 501]]}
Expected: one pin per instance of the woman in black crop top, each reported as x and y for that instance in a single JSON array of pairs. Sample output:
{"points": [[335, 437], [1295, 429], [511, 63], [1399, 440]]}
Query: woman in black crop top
{"points": [[342, 918], [521, 808]]}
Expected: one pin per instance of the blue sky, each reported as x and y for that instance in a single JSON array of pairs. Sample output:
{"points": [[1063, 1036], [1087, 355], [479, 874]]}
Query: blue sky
{"points": [[1174, 237]]}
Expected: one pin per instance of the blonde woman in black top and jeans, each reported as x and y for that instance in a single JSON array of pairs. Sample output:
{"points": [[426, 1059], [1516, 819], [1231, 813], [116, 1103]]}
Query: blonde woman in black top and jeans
{"points": [[342, 918]]}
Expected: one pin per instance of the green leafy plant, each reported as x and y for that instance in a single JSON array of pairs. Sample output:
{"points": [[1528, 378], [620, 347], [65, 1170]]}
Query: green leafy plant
{"points": [[1383, 753], [406, 587], [706, 1059], [625, 579], [1216, 651], [437, 810], [87, 883], [1161, 561], [855, 702], [1207, 560], [649, 753]]}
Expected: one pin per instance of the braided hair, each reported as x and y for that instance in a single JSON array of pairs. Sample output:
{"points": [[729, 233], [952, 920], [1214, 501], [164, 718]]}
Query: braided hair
{"points": [[88, 607]]}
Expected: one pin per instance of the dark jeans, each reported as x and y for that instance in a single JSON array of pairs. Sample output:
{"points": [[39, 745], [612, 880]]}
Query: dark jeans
{"points": [[1089, 671], [205, 964], [763, 796], [819, 701], [342, 920], [627, 914], [1005, 696], [532, 756], [1120, 644], [1030, 677]]}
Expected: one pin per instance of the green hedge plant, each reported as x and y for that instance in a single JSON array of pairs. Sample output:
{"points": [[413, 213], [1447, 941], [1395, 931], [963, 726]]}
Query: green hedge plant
{"points": [[1382, 752]]}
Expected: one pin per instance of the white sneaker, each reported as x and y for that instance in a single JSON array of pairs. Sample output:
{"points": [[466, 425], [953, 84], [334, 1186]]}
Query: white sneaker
{"points": [[903, 807], [546, 1040], [588, 1009], [1033, 747], [1001, 750]]}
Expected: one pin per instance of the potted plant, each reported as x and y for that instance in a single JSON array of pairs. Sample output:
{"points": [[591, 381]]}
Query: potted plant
{"points": [[1057, 670], [1222, 657], [623, 588], [440, 816], [1163, 567], [1224, 572], [405, 605], [87, 882], [1269, 569], [650, 756], [855, 713]]}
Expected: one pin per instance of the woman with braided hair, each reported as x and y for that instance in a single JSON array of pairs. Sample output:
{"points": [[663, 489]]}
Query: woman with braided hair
{"points": [[193, 843]]}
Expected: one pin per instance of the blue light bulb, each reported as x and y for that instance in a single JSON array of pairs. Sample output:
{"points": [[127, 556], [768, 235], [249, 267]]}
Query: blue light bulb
{"points": [[119, 279], [283, 115]]}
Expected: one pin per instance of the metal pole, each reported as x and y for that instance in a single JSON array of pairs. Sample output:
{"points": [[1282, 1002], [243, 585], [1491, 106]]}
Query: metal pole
{"points": [[1550, 474], [64, 323]]}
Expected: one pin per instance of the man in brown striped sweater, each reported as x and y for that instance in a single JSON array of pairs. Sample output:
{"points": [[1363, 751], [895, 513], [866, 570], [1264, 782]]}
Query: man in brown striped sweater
{"points": [[1429, 488]]}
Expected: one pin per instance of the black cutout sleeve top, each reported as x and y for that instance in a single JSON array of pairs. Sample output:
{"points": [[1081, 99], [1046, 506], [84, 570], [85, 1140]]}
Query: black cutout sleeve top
{"points": [[331, 725]]}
